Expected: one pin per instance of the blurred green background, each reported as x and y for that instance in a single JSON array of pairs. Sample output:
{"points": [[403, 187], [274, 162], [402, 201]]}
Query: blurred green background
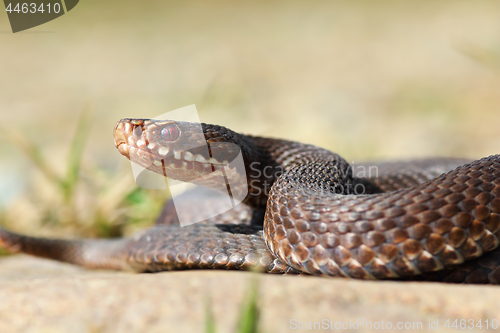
{"points": [[366, 79]]}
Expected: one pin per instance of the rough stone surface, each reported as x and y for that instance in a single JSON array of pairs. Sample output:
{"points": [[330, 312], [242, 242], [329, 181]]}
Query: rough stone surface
{"points": [[37, 295]]}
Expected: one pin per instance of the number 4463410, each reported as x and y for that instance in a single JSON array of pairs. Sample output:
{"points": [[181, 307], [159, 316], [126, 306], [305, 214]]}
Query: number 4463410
{"points": [[32, 8], [471, 324]]}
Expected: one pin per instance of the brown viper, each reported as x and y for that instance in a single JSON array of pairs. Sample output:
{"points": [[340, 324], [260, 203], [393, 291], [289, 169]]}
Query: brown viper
{"points": [[409, 220]]}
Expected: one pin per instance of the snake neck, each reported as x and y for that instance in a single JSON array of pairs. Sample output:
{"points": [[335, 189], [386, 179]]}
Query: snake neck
{"points": [[205, 154], [292, 163]]}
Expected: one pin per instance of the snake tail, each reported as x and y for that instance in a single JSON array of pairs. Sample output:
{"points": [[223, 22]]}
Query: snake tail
{"points": [[90, 253]]}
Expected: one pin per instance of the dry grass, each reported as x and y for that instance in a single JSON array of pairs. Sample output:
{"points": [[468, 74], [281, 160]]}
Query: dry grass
{"points": [[83, 200]]}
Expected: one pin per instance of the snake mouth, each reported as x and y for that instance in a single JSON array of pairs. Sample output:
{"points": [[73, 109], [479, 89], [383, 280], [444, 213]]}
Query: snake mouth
{"points": [[120, 133], [123, 149], [175, 149]]}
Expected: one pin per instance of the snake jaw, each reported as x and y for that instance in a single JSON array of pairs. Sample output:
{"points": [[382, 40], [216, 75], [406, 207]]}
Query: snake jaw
{"points": [[178, 150], [120, 137]]}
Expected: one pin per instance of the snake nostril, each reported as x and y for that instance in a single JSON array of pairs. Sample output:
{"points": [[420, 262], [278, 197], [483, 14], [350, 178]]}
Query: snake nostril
{"points": [[170, 133]]}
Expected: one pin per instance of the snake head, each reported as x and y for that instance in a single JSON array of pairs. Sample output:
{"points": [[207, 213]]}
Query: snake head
{"points": [[180, 150]]}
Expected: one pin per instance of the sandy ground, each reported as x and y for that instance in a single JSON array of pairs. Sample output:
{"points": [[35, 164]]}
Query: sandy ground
{"points": [[42, 296]]}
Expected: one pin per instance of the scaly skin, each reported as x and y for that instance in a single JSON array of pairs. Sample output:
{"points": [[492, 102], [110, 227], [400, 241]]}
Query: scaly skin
{"points": [[407, 221]]}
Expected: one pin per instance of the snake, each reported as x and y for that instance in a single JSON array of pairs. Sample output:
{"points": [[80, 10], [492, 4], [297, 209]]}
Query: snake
{"points": [[300, 209]]}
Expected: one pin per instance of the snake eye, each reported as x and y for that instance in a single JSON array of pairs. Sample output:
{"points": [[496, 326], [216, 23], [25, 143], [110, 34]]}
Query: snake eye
{"points": [[170, 133]]}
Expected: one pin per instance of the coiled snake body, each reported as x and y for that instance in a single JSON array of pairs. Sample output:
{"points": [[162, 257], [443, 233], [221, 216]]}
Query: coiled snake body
{"points": [[434, 219]]}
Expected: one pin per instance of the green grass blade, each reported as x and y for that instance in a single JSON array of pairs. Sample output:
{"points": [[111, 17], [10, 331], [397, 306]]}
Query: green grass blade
{"points": [[489, 58], [76, 151], [209, 317], [250, 311]]}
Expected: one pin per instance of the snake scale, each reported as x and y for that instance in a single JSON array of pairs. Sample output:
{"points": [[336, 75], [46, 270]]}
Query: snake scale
{"points": [[432, 219]]}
